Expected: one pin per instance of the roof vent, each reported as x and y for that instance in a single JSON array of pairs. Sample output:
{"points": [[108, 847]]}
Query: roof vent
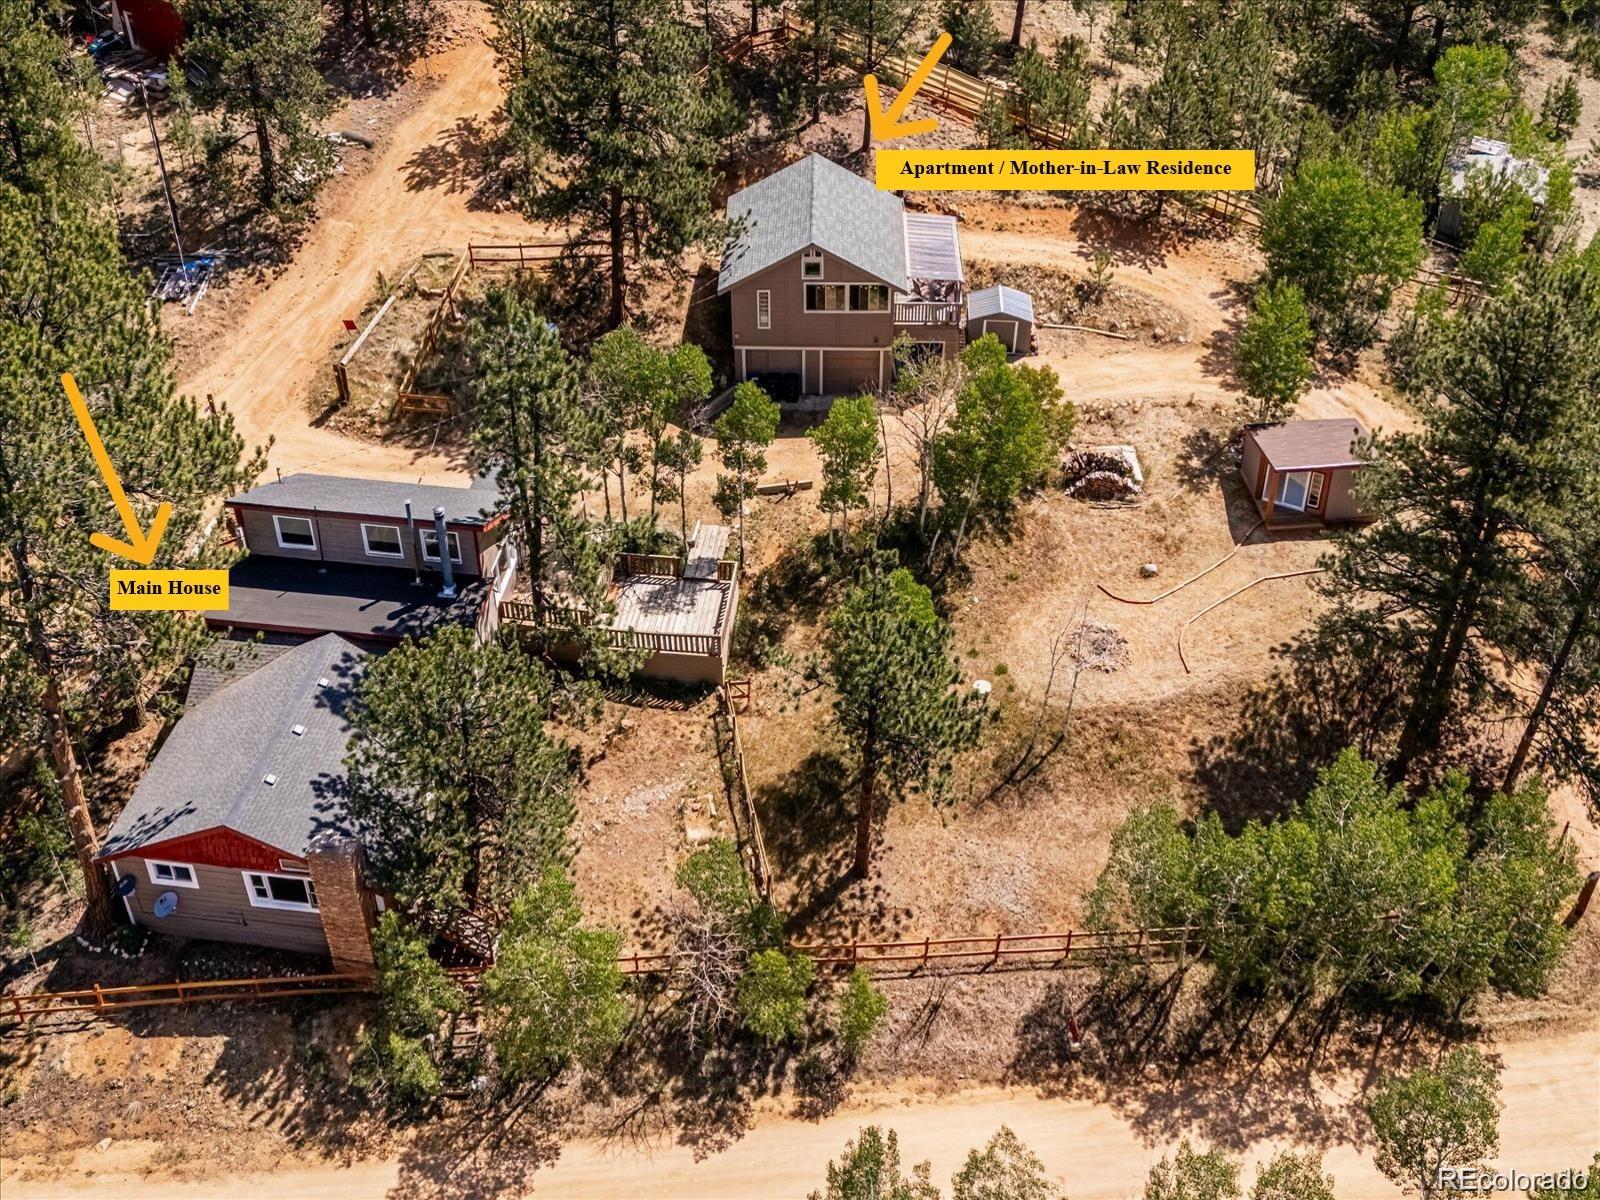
{"points": [[297, 730], [269, 780]]}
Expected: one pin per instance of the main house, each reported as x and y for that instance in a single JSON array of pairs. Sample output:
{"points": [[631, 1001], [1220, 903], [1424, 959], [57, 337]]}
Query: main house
{"points": [[824, 273], [238, 831], [361, 558]]}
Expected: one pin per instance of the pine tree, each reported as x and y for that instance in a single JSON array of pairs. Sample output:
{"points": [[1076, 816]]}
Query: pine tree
{"points": [[260, 60], [1509, 431], [744, 432], [68, 304], [613, 122], [970, 24], [535, 434], [40, 98], [451, 767], [847, 442], [898, 699], [555, 993], [882, 27], [1274, 346]]}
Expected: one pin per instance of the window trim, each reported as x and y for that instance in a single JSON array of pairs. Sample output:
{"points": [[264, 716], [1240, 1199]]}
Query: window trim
{"points": [[150, 865], [1315, 488], [852, 291], [452, 540], [399, 541], [809, 259], [268, 901], [763, 308], [277, 528], [806, 299], [888, 300]]}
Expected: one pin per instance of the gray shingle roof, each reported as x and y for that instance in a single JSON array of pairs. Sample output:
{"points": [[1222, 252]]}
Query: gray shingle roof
{"points": [[374, 497], [211, 770], [1000, 301], [816, 202]]}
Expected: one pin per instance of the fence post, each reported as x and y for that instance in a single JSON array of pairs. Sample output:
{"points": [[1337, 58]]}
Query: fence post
{"points": [[926, 943], [996, 960], [1066, 953], [99, 999]]}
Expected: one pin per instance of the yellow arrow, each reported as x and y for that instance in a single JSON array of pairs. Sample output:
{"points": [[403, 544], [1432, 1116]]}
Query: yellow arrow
{"points": [[887, 125], [140, 546]]}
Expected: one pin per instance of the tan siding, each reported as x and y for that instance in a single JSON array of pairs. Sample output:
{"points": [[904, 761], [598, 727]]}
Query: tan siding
{"points": [[791, 324], [948, 336], [220, 910], [339, 540], [1340, 502], [1250, 467]]}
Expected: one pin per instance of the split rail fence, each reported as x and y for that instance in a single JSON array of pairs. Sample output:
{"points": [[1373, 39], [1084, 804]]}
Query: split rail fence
{"points": [[732, 696], [980, 952]]}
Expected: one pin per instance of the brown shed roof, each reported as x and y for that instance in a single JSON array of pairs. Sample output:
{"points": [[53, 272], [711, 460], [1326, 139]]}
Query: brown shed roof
{"points": [[1304, 445]]}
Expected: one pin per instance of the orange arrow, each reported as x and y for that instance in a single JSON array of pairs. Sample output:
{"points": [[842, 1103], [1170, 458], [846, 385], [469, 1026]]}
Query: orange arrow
{"points": [[140, 546], [886, 124]]}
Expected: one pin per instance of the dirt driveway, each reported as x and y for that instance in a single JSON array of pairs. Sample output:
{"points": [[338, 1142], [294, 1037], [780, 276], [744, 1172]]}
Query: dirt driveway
{"points": [[1550, 1088], [416, 197]]}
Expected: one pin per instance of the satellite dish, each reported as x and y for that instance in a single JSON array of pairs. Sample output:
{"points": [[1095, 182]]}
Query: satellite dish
{"points": [[166, 904], [125, 886]]}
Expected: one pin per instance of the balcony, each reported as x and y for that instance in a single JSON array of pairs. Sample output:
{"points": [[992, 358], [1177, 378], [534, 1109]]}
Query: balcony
{"points": [[926, 312]]}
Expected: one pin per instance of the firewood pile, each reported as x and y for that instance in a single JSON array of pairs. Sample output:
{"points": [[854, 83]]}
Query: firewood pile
{"points": [[1103, 473]]}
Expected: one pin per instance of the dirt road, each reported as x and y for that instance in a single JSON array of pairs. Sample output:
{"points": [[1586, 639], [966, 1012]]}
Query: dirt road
{"points": [[414, 198], [1551, 1120]]}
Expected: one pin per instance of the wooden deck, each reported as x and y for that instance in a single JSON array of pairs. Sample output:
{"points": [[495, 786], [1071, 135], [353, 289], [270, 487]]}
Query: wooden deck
{"points": [[707, 546], [666, 604]]}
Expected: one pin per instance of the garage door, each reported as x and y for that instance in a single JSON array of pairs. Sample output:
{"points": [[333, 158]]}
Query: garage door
{"points": [[771, 360], [846, 371]]}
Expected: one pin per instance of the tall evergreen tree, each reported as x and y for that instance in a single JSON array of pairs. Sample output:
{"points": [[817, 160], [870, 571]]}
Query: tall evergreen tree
{"points": [[260, 60], [466, 795], [535, 434], [1510, 431], [68, 304], [882, 28], [898, 698], [613, 120], [39, 100]]}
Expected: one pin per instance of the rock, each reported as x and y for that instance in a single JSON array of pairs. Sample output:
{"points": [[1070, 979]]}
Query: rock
{"points": [[102, 1145], [1158, 334], [1150, 570]]}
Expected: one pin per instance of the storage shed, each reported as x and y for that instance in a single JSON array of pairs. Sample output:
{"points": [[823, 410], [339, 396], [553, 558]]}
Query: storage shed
{"points": [[1301, 474], [1004, 312]]}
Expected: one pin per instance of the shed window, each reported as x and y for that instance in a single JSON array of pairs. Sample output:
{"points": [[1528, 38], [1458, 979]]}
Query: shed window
{"points": [[430, 545], [280, 891], [171, 874], [295, 533], [1314, 492], [763, 309], [382, 541], [811, 265]]}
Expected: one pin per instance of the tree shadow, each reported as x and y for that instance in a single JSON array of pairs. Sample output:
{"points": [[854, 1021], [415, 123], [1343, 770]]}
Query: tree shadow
{"points": [[457, 162], [484, 1154], [1221, 358], [1129, 241]]}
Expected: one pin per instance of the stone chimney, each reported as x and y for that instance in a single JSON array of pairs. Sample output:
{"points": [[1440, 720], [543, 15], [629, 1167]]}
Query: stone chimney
{"points": [[348, 909]]}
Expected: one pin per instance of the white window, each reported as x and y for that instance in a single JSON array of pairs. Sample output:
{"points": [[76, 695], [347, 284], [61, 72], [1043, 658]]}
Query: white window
{"points": [[826, 297], [763, 309], [171, 874], [280, 891], [1292, 487], [1314, 494], [382, 541], [811, 265], [430, 545], [295, 533]]}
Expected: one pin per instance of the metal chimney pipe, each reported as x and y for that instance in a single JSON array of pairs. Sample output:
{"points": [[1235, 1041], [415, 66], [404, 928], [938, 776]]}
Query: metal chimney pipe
{"points": [[448, 591]]}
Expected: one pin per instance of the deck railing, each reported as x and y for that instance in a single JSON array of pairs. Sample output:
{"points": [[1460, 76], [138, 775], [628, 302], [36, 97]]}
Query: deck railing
{"points": [[926, 312], [523, 612]]}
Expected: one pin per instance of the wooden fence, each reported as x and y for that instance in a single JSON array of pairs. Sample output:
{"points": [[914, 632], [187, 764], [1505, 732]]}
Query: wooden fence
{"points": [[406, 399], [523, 255], [523, 612], [732, 696], [1038, 950], [97, 999], [980, 952]]}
